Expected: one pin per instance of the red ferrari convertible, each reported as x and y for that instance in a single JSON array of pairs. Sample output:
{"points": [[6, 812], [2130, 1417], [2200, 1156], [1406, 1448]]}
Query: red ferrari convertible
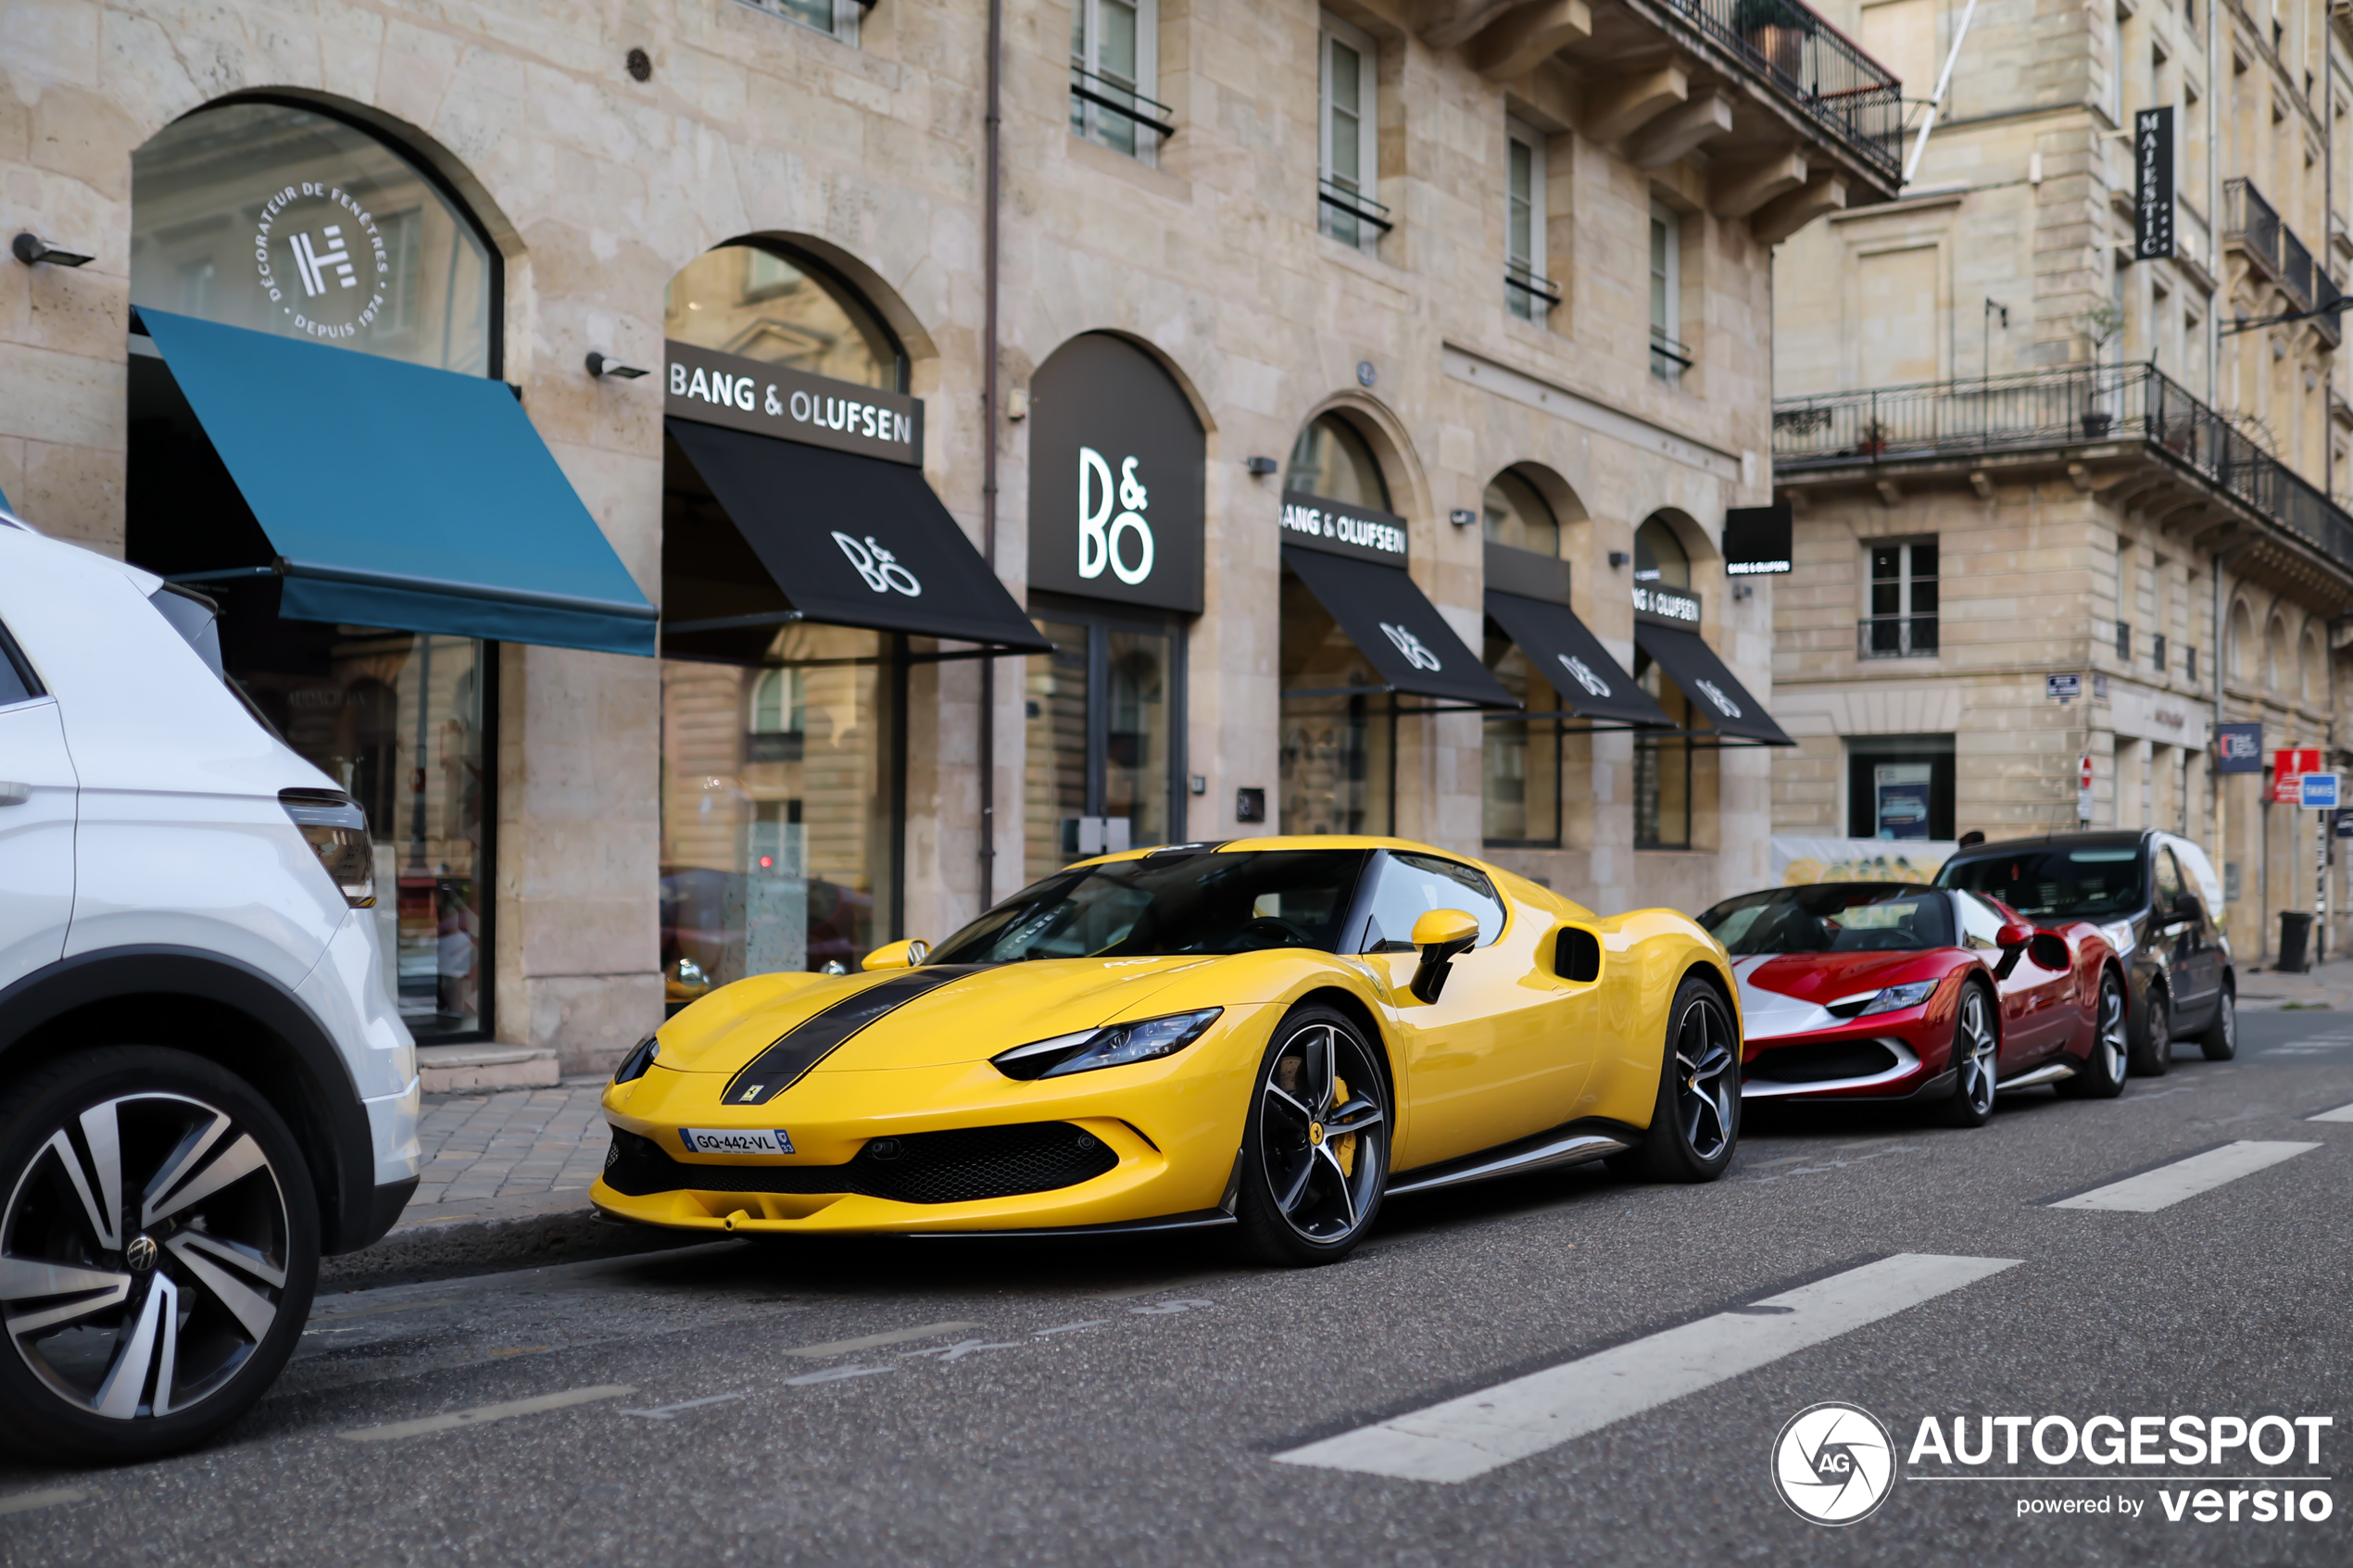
{"points": [[1890, 991]]}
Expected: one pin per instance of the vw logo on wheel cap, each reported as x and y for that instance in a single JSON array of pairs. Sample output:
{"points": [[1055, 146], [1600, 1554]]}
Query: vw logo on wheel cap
{"points": [[1833, 1463], [141, 1255]]}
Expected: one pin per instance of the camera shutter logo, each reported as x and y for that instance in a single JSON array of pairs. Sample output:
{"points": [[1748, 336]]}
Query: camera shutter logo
{"points": [[1714, 694], [878, 566], [1417, 652], [1833, 1463], [321, 259], [1584, 673], [1100, 533]]}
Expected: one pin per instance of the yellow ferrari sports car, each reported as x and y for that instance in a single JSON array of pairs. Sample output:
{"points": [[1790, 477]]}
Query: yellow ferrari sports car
{"points": [[1271, 1033]]}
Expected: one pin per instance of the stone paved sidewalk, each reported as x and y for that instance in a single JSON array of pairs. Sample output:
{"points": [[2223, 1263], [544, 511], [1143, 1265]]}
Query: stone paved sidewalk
{"points": [[514, 1143]]}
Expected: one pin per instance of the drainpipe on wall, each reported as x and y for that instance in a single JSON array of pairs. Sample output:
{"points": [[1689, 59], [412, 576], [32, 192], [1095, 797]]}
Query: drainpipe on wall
{"points": [[988, 448]]}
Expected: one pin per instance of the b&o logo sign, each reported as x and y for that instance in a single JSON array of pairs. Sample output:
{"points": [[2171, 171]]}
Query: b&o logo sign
{"points": [[1714, 694], [878, 567], [1584, 675], [1100, 533], [1115, 463], [320, 258], [1417, 652]]}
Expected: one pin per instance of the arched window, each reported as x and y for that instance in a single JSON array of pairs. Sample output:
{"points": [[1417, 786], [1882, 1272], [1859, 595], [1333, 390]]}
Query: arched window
{"points": [[2275, 654], [1659, 556], [1517, 514], [1332, 459], [2242, 642], [2310, 680], [292, 222], [780, 308]]}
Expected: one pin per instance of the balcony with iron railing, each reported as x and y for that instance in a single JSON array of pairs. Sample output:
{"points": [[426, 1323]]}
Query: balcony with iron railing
{"points": [[2251, 224], [1815, 68], [2047, 410], [1895, 636]]}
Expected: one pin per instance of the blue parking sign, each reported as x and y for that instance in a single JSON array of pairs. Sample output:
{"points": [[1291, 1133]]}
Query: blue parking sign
{"points": [[2320, 792]]}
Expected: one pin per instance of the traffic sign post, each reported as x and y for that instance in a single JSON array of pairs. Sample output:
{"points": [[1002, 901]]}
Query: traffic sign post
{"points": [[2083, 790], [2318, 792]]}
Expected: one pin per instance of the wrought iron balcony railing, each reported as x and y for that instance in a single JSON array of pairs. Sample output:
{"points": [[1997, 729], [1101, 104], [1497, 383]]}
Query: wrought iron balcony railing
{"points": [[1895, 636], [1851, 96], [2041, 410], [1093, 96]]}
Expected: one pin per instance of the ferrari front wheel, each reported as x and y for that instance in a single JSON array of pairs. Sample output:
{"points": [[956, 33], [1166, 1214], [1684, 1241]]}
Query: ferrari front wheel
{"points": [[2102, 1075], [1315, 1148], [1697, 1119], [1976, 1062]]}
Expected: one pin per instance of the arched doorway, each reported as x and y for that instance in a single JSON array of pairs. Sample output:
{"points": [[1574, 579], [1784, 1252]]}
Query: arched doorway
{"points": [[1521, 757]]}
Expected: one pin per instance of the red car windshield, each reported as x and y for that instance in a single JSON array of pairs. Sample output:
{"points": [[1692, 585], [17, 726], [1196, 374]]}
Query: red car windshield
{"points": [[1837, 917]]}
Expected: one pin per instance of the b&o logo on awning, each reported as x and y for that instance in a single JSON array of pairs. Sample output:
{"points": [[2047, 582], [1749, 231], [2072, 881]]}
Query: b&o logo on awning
{"points": [[1417, 652], [878, 566]]}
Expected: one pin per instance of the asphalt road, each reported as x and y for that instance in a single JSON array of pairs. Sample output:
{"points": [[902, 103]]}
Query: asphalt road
{"points": [[955, 1403]]}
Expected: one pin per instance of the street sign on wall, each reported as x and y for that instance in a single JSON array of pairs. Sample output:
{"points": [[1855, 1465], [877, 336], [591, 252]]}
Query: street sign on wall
{"points": [[2319, 790]]}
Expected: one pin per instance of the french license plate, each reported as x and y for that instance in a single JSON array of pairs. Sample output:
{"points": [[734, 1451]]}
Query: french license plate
{"points": [[735, 1140]]}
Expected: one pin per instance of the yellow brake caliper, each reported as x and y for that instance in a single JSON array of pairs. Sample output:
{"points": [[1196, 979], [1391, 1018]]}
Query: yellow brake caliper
{"points": [[1344, 1146]]}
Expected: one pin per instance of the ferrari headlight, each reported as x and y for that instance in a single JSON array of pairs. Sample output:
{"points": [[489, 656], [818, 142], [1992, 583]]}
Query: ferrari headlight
{"points": [[1114, 1045], [1898, 996], [2119, 936], [641, 1057]]}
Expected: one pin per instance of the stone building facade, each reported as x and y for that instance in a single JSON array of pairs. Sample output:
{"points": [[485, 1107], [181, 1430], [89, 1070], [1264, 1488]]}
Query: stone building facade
{"points": [[2059, 505], [1462, 239]]}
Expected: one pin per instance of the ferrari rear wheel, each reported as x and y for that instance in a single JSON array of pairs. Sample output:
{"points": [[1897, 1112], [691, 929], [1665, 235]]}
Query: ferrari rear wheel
{"points": [[1697, 1119], [1976, 1050], [2102, 1075], [1316, 1149]]}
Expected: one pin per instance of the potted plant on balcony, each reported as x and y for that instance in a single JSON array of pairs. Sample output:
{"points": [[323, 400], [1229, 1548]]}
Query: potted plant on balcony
{"points": [[1873, 441], [2102, 323], [1776, 30]]}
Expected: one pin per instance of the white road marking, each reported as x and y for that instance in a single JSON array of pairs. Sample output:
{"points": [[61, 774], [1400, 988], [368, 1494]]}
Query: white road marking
{"points": [[1066, 1327], [834, 1374], [2341, 1114], [1162, 1309], [486, 1412], [963, 1347], [1469, 1436], [876, 1341], [50, 1496], [1181, 1282], [2168, 1184], [667, 1411]]}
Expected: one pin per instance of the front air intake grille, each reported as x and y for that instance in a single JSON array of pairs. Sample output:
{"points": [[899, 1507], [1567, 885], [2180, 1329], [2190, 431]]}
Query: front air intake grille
{"points": [[1823, 1061], [963, 1166]]}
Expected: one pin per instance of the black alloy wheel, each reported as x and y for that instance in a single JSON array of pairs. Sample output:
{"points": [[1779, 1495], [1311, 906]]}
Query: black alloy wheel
{"points": [[1976, 1059], [2102, 1075], [1696, 1121], [1316, 1149], [158, 1246], [2220, 1041], [2153, 1052]]}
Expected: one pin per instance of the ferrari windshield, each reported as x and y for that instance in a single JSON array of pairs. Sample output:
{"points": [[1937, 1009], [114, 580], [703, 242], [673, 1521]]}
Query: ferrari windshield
{"points": [[1833, 917], [2091, 882], [1166, 905]]}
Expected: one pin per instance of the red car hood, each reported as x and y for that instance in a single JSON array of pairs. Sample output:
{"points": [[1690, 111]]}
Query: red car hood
{"points": [[1785, 993]]}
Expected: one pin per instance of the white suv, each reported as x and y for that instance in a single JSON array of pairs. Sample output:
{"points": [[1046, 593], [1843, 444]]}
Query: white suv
{"points": [[203, 1084]]}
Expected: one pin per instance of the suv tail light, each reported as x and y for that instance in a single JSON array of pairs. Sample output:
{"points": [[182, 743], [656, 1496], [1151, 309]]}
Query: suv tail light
{"points": [[337, 831]]}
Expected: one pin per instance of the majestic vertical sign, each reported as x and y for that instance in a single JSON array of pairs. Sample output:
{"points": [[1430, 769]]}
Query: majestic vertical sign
{"points": [[2153, 184], [1116, 462]]}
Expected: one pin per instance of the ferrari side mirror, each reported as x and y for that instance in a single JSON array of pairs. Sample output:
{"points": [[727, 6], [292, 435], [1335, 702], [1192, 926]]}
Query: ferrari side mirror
{"points": [[898, 955], [2013, 934], [1442, 936]]}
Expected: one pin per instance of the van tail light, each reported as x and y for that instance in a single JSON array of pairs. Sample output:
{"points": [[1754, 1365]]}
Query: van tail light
{"points": [[337, 831]]}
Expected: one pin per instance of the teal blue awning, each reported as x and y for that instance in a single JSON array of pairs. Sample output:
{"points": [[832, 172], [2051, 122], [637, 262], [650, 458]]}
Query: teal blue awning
{"points": [[397, 495]]}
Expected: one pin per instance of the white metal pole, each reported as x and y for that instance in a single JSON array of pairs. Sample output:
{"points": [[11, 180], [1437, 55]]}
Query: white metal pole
{"points": [[1943, 80]]}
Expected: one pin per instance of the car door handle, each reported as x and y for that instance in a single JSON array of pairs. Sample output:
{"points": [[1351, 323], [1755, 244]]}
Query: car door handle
{"points": [[13, 793]]}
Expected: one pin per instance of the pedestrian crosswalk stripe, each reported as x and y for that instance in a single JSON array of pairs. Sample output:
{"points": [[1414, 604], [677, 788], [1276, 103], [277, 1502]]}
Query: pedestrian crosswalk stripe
{"points": [[476, 1416], [2168, 1184], [2341, 1114], [1467, 1438], [47, 1496]]}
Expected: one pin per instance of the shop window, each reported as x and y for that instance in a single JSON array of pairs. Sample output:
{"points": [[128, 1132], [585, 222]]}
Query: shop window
{"points": [[1528, 293], [1669, 357], [291, 221], [781, 307], [1101, 742], [1899, 787], [1515, 512], [834, 18], [1902, 623], [1339, 726], [1660, 559], [777, 834], [1347, 137], [1520, 787], [1662, 762], [1331, 458], [1114, 49]]}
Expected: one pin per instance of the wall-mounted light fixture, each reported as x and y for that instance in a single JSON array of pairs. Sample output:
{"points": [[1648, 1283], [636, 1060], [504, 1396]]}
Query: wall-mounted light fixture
{"points": [[600, 367], [33, 250], [1462, 516], [1262, 467], [1618, 559]]}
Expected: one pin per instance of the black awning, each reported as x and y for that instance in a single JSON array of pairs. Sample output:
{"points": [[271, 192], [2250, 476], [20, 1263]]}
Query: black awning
{"points": [[845, 539], [1714, 694], [1396, 626], [1573, 659]]}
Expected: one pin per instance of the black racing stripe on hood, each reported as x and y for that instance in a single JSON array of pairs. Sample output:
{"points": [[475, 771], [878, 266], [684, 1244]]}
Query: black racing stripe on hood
{"points": [[820, 1035]]}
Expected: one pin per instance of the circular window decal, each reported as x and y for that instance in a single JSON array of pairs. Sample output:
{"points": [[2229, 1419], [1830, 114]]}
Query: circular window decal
{"points": [[321, 259]]}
